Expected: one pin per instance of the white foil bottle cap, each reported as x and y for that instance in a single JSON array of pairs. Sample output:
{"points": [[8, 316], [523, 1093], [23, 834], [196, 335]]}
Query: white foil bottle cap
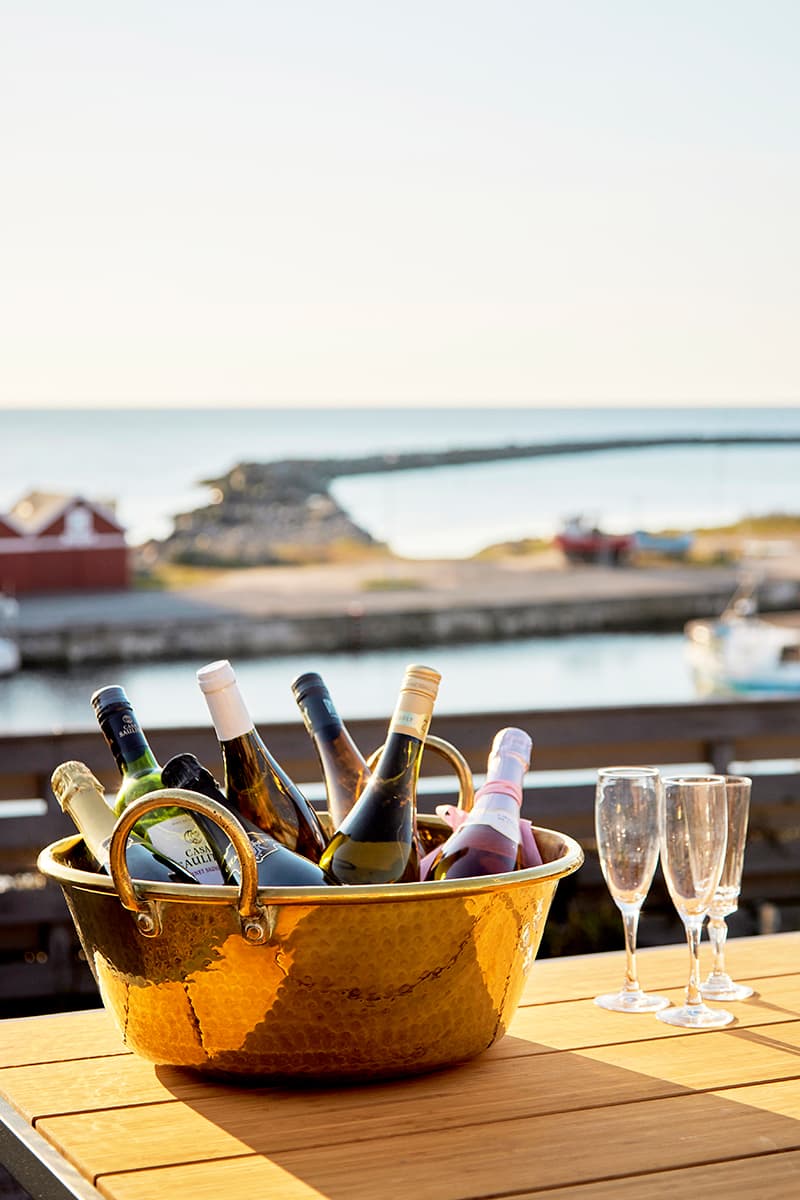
{"points": [[215, 676]]}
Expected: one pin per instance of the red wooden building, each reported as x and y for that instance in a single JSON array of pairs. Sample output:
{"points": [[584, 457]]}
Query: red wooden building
{"points": [[56, 543]]}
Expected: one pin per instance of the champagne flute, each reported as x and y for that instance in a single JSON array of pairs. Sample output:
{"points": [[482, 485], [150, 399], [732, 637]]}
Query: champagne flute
{"points": [[693, 837], [719, 985], [627, 818]]}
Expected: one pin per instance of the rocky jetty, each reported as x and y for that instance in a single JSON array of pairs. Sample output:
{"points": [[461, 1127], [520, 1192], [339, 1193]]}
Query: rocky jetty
{"points": [[266, 514], [263, 514]]}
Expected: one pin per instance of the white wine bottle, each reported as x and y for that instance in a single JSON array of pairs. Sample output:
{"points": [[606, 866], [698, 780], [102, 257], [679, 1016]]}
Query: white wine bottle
{"points": [[80, 794], [489, 840], [255, 784], [344, 769], [170, 830], [377, 840]]}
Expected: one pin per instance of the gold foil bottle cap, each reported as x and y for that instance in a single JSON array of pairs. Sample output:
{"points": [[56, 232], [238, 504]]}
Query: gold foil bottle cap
{"points": [[421, 679], [71, 777]]}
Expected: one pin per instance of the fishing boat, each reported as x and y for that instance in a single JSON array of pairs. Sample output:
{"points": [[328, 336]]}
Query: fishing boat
{"points": [[665, 545], [581, 542], [744, 651]]}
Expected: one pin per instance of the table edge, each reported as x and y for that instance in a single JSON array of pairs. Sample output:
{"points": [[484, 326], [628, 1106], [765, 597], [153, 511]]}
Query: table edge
{"points": [[36, 1164]]}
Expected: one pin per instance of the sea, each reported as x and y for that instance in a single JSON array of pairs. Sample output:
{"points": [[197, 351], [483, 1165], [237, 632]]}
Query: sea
{"points": [[155, 463]]}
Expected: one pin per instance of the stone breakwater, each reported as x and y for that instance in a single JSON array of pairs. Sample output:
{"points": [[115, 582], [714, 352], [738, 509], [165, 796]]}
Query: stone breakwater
{"points": [[286, 610], [266, 514]]}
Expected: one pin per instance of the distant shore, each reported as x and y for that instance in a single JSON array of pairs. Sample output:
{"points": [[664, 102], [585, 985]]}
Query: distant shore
{"points": [[283, 512]]}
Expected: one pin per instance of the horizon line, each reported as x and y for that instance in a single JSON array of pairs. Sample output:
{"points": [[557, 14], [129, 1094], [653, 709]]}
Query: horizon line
{"points": [[316, 405]]}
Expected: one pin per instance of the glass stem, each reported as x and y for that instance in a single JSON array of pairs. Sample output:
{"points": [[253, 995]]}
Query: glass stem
{"points": [[630, 923], [717, 933], [693, 995]]}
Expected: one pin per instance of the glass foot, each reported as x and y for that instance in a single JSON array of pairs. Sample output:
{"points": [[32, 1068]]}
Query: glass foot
{"points": [[720, 986], [631, 1002], [695, 1016]]}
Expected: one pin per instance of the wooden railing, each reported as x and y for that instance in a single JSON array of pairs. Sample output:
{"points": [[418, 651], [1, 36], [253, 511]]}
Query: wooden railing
{"points": [[38, 951]]}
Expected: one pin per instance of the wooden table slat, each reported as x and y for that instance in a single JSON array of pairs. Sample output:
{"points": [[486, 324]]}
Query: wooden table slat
{"points": [[505, 1158], [769, 1176], [79, 1035]]}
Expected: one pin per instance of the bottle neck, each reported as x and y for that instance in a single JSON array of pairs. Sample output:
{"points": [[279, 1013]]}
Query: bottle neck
{"points": [[127, 742], [506, 768], [319, 715], [87, 807], [412, 715], [405, 741], [229, 713]]}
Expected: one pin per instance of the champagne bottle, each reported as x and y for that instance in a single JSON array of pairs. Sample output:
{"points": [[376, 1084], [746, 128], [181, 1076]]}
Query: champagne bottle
{"points": [[81, 795], [255, 784], [489, 840], [278, 866], [377, 841], [344, 769], [171, 831]]}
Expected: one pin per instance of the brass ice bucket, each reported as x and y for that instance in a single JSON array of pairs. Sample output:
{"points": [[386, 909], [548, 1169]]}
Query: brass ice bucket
{"points": [[345, 982]]}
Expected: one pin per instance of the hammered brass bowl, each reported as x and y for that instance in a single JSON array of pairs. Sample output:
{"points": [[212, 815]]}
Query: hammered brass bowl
{"points": [[327, 982]]}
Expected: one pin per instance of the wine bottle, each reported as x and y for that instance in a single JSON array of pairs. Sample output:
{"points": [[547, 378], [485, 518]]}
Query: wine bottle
{"points": [[344, 769], [171, 831], [489, 840], [377, 841], [81, 795], [277, 865], [255, 784]]}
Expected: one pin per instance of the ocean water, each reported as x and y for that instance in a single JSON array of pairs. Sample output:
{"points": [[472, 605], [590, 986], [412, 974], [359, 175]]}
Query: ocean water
{"points": [[152, 463], [591, 670]]}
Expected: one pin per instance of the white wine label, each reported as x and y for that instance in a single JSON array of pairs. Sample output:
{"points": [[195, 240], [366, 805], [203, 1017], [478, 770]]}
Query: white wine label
{"points": [[411, 716], [182, 840]]}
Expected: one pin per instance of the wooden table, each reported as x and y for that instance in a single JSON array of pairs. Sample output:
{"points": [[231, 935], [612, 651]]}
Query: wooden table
{"points": [[575, 1103]]}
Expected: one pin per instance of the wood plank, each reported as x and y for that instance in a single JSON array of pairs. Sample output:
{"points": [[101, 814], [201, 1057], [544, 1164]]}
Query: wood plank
{"points": [[769, 1176], [512, 1156], [581, 976], [736, 1056], [302, 1117], [565, 1081], [84, 1034], [578, 1024]]}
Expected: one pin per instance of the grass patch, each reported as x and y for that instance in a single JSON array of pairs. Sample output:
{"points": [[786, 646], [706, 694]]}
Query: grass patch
{"points": [[391, 583], [772, 525], [172, 577], [523, 547]]}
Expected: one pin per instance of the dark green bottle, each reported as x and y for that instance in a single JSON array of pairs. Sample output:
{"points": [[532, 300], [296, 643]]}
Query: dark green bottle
{"points": [[170, 831]]}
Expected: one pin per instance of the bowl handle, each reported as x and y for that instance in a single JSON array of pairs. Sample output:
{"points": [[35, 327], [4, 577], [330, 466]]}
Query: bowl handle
{"points": [[466, 792], [146, 911]]}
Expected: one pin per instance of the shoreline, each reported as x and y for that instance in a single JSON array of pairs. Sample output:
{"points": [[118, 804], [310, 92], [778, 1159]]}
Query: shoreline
{"points": [[380, 604]]}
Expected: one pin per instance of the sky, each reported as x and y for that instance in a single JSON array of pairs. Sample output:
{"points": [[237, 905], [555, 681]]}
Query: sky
{"points": [[434, 202]]}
